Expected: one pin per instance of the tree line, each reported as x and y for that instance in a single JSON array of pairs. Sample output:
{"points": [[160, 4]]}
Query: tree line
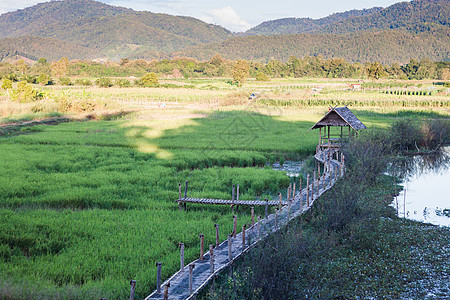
{"points": [[60, 72]]}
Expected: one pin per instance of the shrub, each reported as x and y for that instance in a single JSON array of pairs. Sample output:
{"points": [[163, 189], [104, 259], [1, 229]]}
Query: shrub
{"points": [[85, 82], [403, 135], [44, 79], [148, 80], [28, 78], [12, 77], [103, 82], [7, 84], [65, 81], [25, 93], [262, 77], [122, 82]]}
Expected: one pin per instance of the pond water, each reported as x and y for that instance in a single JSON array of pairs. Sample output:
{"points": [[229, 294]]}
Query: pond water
{"points": [[426, 194], [292, 168], [426, 182]]}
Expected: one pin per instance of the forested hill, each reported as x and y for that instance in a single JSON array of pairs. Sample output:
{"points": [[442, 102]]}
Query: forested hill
{"points": [[36, 47], [303, 25], [405, 15], [412, 16], [115, 31], [86, 29], [387, 46], [416, 29]]}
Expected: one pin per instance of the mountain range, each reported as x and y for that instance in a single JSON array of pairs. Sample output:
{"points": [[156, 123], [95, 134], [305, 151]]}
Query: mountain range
{"points": [[86, 29]]}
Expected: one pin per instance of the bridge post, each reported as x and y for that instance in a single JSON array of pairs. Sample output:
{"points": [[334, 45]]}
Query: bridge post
{"points": [[323, 181], [276, 219], [279, 202], [185, 195], [252, 209], [217, 234], [180, 205], [331, 178], [318, 186], [202, 246], [232, 198], [229, 247], [307, 190], [259, 227], [191, 275], [158, 277], [133, 287], [243, 237], [267, 208], [166, 291], [181, 257], [293, 192], [234, 225], [211, 258]]}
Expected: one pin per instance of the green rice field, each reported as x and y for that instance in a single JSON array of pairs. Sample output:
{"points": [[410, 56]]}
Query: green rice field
{"points": [[86, 206]]}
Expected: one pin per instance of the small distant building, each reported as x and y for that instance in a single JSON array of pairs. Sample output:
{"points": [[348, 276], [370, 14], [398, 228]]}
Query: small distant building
{"points": [[355, 86], [333, 124]]}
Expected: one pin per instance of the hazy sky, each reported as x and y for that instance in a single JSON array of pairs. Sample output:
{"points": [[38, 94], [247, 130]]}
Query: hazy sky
{"points": [[235, 15]]}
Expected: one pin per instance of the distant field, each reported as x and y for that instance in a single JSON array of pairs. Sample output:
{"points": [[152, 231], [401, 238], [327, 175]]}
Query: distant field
{"points": [[87, 206], [285, 92]]}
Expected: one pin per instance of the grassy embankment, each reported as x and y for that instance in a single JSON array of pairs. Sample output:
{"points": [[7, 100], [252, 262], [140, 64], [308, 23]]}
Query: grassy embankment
{"points": [[87, 206]]}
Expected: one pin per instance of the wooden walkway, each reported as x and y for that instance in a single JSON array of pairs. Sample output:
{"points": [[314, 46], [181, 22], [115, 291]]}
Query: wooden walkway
{"points": [[231, 202], [192, 278]]}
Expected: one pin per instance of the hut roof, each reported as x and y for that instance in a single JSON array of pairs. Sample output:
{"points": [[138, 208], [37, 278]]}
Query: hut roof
{"points": [[340, 116]]}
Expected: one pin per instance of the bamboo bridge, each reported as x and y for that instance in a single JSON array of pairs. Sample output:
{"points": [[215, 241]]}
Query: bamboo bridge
{"points": [[193, 277]]}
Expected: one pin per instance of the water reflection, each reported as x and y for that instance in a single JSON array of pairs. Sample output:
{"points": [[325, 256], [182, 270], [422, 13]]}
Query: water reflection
{"points": [[426, 181]]}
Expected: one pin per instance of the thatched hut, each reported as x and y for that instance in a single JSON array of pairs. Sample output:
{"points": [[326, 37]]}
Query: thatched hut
{"points": [[333, 123]]}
